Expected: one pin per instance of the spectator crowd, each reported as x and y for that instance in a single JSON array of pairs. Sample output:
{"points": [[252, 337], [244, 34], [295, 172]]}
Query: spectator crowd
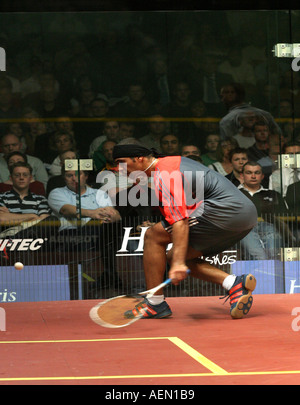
{"points": [[76, 93]]}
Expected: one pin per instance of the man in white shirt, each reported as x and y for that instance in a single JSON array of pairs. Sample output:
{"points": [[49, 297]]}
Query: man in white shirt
{"points": [[94, 204], [281, 178], [82, 232]]}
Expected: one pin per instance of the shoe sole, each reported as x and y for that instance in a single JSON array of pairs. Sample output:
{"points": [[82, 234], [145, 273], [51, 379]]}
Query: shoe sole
{"points": [[244, 304]]}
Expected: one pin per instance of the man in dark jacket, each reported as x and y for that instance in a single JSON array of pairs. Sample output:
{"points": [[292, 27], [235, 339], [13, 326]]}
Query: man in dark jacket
{"points": [[264, 240]]}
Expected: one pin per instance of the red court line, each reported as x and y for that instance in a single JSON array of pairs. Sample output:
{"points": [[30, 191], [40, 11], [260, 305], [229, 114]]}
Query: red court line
{"points": [[262, 348]]}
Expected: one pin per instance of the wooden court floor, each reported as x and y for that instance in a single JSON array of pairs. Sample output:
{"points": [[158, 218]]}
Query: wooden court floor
{"points": [[56, 343]]}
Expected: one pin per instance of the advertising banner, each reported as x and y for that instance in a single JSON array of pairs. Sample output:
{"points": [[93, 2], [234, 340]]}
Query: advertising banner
{"points": [[34, 283], [273, 276]]}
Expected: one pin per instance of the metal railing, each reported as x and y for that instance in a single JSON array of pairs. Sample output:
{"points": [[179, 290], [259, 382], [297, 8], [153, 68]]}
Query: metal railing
{"points": [[102, 260]]}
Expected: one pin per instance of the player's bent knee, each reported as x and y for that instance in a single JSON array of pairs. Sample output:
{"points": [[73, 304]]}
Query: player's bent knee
{"points": [[156, 234]]}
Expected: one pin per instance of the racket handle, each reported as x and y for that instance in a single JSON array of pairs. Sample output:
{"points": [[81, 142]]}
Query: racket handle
{"points": [[169, 280], [166, 282]]}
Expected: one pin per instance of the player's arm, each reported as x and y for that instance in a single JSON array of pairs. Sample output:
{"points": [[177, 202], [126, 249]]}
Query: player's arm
{"points": [[180, 238]]}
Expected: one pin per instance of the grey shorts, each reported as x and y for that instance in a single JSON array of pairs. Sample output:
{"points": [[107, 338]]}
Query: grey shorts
{"points": [[209, 239]]}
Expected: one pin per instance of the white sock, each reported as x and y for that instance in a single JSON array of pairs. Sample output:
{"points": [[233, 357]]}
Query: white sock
{"points": [[156, 299], [229, 281]]}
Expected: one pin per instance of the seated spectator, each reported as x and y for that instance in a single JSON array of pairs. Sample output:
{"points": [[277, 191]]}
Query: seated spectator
{"points": [[63, 142], [92, 124], [264, 241], [37, 134], [107, 149], [159, 82], [16, 128], [19, 204], [288, 129], [281, 178], [233, 97], [95, 204], [179, 107], [211, 145], [127, 130], [136, 106], [238, 157], [292, 197], [33, 84], [170, 145], [207, 80], [285, 109], [83, 93], [85, 227], [111, 132], [190, 150], [270, 162], [157, 128], [197, 130], [64, 124], [58, 180], [260, 148], [12, 80], [11, 143], [245, 135], [82, 107], [48, 102], [36, 187], [223, 164]]}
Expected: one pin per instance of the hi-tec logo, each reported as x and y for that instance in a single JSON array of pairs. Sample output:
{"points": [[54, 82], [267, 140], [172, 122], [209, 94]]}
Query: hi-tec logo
{"points": [[21, 244], [2, 60]]}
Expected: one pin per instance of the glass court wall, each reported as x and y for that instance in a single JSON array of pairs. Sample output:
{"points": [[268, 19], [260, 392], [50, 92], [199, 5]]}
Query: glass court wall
{"points": [[70, 81]]}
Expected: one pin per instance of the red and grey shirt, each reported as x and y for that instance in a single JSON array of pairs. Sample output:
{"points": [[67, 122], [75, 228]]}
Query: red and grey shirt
{"points": [[188, 189]]}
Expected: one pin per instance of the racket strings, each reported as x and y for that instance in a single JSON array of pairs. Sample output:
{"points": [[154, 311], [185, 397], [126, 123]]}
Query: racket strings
{"points": [[118, 312]]}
